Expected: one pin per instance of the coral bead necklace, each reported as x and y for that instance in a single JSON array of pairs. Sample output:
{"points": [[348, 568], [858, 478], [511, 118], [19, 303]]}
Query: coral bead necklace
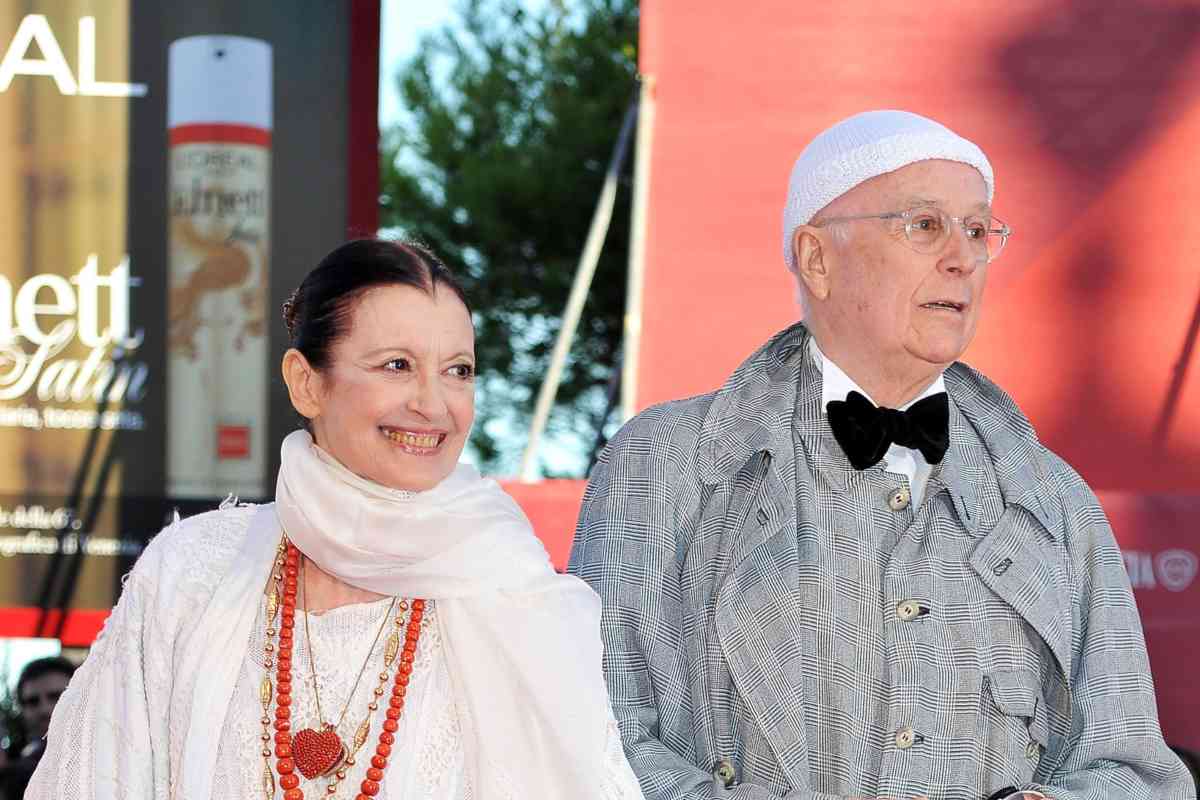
{"points": [[322, 753]]}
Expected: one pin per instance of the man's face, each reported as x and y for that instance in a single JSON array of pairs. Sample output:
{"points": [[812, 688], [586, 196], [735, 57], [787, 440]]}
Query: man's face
{"points": [[896, 307], [38, 697]]}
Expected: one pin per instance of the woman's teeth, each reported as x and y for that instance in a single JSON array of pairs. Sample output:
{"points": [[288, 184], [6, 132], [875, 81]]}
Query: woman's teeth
{"points": [[425, 440]]}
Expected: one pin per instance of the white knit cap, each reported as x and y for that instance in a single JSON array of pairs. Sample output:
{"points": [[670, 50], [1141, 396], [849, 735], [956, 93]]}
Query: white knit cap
{"points": [[861, 147]]}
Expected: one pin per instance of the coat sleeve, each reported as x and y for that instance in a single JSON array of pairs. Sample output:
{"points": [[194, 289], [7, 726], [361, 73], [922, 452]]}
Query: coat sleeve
{"points": [[625, 548], [1115, 748], [108, 734]]}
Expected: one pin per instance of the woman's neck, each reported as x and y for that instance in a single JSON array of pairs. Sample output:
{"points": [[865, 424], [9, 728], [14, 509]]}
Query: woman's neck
{"points": [[323, 592]]}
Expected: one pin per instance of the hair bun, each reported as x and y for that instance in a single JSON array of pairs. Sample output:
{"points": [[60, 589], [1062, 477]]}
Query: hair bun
{"points": [[289, 313]]}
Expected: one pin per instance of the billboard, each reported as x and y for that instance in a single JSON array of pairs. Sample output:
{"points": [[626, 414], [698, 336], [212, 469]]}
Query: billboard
{"points": [[165, 184], [76, 371]]}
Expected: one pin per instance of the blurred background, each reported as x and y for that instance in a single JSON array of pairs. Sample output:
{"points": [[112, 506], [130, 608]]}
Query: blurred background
{"points": [[607, 176]]}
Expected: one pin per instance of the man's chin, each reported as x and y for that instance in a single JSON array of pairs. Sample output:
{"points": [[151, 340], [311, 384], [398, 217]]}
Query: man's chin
{"points": [[940, 352]]}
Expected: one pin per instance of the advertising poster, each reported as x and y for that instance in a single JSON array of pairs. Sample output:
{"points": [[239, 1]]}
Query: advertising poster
{"points": [[150, 154], [75, 372]]}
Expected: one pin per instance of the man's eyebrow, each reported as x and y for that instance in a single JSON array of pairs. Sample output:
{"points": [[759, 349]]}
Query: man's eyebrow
{"points": [[913, 202]]}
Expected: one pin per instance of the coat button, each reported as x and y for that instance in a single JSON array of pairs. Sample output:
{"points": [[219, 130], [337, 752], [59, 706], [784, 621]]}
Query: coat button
{"points": [[905, 738], [908, 610], [724, 772], [899, 499], [1033, 749]]}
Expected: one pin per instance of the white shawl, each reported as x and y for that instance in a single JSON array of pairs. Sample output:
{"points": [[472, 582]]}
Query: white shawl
{"points": [[522, 642]]}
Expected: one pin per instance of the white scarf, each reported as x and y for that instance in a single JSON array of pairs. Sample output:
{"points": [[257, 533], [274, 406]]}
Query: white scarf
{"points": [[522, 642]]}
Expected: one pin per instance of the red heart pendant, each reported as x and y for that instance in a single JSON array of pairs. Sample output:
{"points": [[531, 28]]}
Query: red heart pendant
{"points": [[317, 753]]}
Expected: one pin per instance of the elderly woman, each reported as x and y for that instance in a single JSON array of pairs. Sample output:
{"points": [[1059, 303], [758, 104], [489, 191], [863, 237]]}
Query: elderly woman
{"points": [[390, 627]]}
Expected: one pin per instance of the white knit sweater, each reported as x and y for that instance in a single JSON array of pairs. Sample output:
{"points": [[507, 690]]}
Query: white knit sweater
{"points": [[119, 729]]}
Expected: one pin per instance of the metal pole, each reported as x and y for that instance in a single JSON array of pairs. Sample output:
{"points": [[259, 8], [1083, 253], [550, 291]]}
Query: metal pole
{"points": [[631, 346], [579, 290]]}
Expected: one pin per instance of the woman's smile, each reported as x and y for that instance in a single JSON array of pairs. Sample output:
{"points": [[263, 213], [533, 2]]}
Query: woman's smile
{"points": [[418, 443]]}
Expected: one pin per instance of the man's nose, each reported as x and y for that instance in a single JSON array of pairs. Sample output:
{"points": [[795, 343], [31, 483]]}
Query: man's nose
{"points": [[960, 254]]}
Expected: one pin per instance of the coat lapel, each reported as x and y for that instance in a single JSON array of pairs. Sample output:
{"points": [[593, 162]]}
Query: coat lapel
{"points": [[1018, 558], [756, 616], [758, 625]]}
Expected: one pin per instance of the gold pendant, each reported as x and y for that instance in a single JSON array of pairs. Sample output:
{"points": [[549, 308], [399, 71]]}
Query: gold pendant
{"points": [[268, 781], [265, 692], [360, 736], [272, 601], [390, 651]]}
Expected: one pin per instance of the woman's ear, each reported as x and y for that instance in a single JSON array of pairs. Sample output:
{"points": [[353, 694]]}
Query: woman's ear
{"points": [[304, 384]]}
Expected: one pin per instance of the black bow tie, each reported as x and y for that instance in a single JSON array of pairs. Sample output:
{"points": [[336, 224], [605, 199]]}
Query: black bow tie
{"points": [[865, 431]]}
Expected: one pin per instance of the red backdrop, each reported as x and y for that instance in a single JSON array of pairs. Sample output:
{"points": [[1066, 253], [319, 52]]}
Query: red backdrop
{"points": [[1090, 113]]}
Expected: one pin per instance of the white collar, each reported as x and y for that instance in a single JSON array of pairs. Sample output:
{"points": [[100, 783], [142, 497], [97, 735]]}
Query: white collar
{"points": [[836, 384]]}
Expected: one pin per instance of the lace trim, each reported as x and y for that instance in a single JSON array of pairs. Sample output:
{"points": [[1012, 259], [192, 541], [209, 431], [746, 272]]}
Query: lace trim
{"points": [[442, 749], [619, 782]]}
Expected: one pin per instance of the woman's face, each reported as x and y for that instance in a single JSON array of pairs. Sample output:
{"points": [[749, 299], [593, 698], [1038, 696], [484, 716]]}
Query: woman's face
{"points": [[397, 400]]}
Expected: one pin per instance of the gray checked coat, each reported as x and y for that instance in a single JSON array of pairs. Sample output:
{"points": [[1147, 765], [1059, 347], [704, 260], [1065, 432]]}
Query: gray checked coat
{"points": [[778, 624]]}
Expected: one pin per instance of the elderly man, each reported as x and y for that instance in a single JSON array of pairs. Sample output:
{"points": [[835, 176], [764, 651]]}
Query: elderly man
{"points": [[854, 570]]}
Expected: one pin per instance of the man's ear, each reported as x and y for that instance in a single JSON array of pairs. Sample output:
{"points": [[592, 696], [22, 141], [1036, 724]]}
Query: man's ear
{"points": [[811, 257], [304, 384]]}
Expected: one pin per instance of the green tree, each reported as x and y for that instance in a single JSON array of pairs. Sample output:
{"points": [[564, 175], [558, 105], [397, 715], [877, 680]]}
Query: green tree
{"points": [[510, 117], [12, 730]]}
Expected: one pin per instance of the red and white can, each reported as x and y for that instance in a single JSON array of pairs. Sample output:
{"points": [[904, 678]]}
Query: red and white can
{"points": [[219, 121]]}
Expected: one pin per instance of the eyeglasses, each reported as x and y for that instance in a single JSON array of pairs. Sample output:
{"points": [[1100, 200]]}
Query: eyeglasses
{"points": [[927, 229]]}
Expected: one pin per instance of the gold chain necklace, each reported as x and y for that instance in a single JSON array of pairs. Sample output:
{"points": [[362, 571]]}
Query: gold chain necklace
{"points": [[312, 659], [309, 753]]}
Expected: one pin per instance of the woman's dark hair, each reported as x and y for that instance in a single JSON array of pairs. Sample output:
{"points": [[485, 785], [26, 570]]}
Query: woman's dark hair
{"points": [[318, 312]]}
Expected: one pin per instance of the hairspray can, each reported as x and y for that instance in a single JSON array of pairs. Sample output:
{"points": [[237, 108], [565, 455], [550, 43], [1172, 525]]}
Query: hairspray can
{"points": [[219, 124]]}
